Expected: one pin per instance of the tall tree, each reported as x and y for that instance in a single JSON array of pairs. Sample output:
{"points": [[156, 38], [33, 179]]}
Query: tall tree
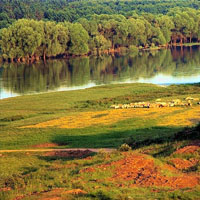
{"points": [[78, 43]]}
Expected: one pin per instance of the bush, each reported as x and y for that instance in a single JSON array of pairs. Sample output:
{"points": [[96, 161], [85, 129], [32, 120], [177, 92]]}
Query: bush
{"points": [[125, 147], [102, 154]]}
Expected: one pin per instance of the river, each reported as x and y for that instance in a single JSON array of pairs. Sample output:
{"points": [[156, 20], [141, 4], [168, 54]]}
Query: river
{"points": [[163, 67]]}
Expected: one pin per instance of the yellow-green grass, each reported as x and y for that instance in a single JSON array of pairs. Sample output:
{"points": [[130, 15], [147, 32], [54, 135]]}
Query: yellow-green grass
{"points": [[32, 175], [34, 109], [151, 131]]}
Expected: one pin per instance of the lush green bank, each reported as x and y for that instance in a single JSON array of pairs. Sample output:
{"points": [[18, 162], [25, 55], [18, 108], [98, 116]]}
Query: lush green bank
{"points": [[36, 176], [33, 109]]}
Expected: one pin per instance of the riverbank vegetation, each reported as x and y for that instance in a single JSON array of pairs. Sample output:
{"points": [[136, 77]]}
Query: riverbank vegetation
{"points": [[165, 143], [30, 39]]}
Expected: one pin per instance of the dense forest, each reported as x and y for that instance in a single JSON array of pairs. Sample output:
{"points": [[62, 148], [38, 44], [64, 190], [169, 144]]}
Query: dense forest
{"points": [[61, 28], [72, 10]]}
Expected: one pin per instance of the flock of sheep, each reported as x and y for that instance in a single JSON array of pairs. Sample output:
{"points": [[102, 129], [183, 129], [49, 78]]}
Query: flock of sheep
{"points": [[189, 101]]}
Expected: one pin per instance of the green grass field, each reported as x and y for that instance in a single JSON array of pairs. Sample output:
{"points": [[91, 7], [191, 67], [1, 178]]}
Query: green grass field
{"points": [[36, 176]]}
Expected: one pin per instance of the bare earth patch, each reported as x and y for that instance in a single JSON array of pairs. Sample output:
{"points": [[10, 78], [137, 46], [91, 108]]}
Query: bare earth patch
{"points": [[188, 149], [45, 145], [168, 116], [184, 164], [5, 189], [69, 154], [140, 170]]}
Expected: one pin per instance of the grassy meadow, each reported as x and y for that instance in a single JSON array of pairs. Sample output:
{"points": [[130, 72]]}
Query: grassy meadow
{"points": [[84, 119]]}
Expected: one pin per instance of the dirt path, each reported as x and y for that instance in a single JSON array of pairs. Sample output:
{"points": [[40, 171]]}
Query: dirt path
{"points": [[58, 150]]}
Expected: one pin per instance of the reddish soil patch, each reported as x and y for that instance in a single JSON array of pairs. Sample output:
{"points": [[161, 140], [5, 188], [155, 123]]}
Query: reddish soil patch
{"points": [[141, 170], [5, 189], [188, 149], [184, 164], [51, 198], [45, 145], [70, 153]]}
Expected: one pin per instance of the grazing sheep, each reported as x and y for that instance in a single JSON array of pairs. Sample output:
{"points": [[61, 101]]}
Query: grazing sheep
{"points": [[196, 99], [189, 98], [120, 105], [146, 105], [117, 107], [164, 104], [112, 106], [189, 103], [176, 102], [157, 104], [153, 105], [158, 100], [171, 104], [132, 105], [125, 106]]}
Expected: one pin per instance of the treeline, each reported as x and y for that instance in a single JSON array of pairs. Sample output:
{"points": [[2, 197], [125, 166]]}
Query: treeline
{"points": [[72, 10], [30, 39]]}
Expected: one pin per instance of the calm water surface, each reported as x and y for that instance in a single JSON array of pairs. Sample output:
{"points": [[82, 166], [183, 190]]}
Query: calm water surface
{"points": [[162, 67]]}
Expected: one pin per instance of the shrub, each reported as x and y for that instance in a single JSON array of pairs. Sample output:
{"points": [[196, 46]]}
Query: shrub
{"points": [[125, 147], [102, 154]]}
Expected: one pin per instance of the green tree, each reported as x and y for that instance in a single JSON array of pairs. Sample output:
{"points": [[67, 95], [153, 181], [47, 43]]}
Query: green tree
{"points": [[78, 43], [21, 39], [166, 25]]}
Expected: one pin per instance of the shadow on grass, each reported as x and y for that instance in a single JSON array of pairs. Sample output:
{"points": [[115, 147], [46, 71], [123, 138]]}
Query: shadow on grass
{"points": [[185, 134], [136, 138], [113, 139]]}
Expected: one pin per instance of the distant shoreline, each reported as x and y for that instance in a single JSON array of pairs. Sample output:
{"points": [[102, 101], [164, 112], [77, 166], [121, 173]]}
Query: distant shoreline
{"points": [[109, 52]]}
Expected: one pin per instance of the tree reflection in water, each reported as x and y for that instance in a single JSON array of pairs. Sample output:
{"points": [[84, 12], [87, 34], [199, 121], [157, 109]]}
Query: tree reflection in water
{"points": [[39, 77]]}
